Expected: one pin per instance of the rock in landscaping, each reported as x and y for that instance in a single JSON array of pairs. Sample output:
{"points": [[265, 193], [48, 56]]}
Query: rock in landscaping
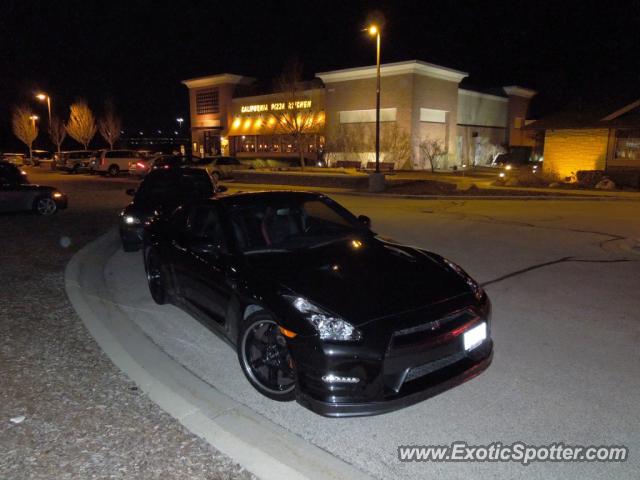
{"points": [[606, 184]]}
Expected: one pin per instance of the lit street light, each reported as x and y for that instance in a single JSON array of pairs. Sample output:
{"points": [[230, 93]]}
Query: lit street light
{"points": [[43, 97], [180, 120]]}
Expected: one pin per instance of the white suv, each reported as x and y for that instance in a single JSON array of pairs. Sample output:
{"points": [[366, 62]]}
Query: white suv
{"points": [[113, 162]]}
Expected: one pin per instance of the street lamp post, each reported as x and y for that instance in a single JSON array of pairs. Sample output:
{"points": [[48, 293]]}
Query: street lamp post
{"points": [[180, 120], [43, 97], [376, 180], [373, 30], [33, 119]]}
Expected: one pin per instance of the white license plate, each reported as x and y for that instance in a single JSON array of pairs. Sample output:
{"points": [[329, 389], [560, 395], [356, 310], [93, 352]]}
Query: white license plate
{"points": [[475, 336]]}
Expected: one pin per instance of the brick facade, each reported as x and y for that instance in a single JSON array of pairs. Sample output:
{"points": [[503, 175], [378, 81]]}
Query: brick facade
{"points": [[567, 151]]}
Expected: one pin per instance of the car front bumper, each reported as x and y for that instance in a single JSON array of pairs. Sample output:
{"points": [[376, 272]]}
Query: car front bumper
{"points": [[398, 364], [131, 235], [61, 202], [430, 386]]}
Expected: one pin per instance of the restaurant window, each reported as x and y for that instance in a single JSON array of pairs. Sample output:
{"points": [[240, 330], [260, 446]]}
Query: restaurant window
{"points": [[628, 145], [274, 144], [246, 143], [207, 101], [264, 143]]}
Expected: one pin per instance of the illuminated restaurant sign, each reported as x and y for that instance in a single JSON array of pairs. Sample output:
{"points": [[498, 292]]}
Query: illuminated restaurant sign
{"points": [[275, 106]]}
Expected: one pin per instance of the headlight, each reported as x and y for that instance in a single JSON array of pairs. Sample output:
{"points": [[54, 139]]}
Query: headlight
{"points": [[477, 290], [57, 195], [131, 220], [327, 326]]}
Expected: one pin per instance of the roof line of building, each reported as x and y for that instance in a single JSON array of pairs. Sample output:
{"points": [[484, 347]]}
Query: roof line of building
{"points": [[397, 68]]}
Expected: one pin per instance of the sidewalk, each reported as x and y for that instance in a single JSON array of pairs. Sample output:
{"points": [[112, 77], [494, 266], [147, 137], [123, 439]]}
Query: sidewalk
{"points": [[257, 444]]}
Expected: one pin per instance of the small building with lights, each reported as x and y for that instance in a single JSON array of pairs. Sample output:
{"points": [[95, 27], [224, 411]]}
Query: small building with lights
{"points": [[595, 137], [421, 104]]}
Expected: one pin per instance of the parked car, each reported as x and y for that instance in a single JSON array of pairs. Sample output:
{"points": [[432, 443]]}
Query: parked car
{"points": [[75, 161], [39, 156], [171, 161], [142, 167], [14, 158], [319, 307], [17, 194], [112, 162], [160, 192], [219, 167]]}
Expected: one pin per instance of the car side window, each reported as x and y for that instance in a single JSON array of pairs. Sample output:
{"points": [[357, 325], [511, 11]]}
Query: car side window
{"points": [[204, 223]]}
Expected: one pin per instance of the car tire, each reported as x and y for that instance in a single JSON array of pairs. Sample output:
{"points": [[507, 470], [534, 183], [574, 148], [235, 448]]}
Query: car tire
{"points": [[113, 170], [44, 206], [156, 278], [265, 358]]}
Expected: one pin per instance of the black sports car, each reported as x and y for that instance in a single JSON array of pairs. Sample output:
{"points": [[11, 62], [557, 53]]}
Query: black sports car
{"points": [[17, 194], [160, 192], [319, 307]]}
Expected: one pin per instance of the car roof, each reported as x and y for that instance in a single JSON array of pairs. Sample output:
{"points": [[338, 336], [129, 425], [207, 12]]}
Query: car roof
{"points": [[177, 171], [247, 198], [6, 162]]}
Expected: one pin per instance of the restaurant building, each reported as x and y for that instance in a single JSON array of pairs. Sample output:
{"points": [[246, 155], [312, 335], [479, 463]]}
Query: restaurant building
{"points": [[597, 136], [419, 102]]}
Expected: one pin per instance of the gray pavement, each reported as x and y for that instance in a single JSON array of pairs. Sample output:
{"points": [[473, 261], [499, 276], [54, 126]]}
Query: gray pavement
{"points": [[563, 278], [83, 417]]}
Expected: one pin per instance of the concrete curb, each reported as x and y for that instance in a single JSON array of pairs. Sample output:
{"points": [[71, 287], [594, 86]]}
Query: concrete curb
{"points": [[337, 191], [257, 444]]}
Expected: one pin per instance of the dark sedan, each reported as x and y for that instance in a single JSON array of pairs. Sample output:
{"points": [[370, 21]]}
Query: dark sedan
{"points": [[319, 307], [17, 194], [161, 191]]}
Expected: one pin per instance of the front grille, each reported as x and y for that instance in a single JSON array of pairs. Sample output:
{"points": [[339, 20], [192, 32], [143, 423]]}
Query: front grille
{"points": [[427, 368], [422, 334]]}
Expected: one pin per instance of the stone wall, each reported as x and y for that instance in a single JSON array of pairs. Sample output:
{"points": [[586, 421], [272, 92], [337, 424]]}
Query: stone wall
{"points": [[569, 150]]}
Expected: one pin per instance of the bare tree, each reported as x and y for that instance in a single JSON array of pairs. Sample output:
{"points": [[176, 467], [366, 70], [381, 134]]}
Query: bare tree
{"points": [[293, 114], [82, 124], [110, 125], [431, 149], [24, 126], [396, 143], [57, 132]]}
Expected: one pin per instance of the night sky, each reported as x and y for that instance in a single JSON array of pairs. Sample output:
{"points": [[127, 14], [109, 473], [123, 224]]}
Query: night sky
{"points": [[136, 52]]}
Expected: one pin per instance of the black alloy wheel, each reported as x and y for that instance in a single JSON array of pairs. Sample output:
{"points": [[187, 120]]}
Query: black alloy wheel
{"points": [[265, 358], [44, 206], [156, 278]]}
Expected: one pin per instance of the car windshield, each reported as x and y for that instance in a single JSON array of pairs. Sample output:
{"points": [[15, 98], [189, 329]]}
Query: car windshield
{"points": [[290, 224]]}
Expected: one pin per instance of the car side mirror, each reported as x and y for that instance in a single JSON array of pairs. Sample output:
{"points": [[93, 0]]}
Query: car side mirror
{"points": [[130, 191], [221, 189], [366, 221]]}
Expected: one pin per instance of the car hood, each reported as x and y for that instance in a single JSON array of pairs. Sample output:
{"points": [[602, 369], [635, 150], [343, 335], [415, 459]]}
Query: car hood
{"points": [[361, 281]]}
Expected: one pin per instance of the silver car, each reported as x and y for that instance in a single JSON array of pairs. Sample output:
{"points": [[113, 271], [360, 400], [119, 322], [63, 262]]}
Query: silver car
{"points": [[17, 194]]}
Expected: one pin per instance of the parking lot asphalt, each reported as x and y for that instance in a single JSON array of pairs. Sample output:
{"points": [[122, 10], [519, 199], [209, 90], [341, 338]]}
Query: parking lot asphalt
{"points": [[83, 418], [563, 278]]}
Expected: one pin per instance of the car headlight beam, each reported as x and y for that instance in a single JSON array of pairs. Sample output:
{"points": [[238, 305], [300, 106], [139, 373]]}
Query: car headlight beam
{"points": [[328, 326]]}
